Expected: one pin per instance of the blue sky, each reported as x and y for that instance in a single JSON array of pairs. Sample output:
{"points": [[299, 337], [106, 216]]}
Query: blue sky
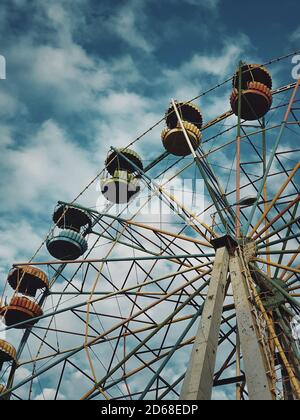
{"points": [[98, 74], [85, 75]]}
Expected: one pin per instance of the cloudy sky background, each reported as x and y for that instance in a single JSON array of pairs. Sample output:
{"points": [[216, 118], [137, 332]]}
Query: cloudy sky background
{"points": [[85, 75]]}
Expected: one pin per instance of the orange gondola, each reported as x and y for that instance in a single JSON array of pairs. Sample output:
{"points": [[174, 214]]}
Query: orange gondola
{"points": [[21, 310]]}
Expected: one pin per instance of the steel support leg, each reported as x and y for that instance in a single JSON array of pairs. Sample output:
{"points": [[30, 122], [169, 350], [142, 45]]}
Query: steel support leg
{"points": [[198, 382], [257, 379]]}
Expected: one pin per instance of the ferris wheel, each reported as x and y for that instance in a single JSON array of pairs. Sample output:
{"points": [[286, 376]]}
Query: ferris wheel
{"points": [[164, 289]]}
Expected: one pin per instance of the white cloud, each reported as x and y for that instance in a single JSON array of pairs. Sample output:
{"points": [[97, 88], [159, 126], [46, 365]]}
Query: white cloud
{"points": [[213, 4], [49, 167], [67, 78], [219, 395], [296, 34], [128, 23], [14, 242], [207, 4], [6, 136], [48, 394], [70, 78], [10, 106], [216, 63], [123, 104], [193, 75]]}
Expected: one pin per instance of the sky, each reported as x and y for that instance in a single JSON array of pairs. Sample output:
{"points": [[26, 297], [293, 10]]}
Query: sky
{"points": [[85, 75], [82, 76]]}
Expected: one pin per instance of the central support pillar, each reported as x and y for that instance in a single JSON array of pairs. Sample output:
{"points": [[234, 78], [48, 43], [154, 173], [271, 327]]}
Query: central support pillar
{"points": [[198, 383], [258, 382]]}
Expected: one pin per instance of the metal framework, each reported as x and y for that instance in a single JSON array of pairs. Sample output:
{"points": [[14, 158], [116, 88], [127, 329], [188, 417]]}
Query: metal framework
{"points": [[192, 305]]}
